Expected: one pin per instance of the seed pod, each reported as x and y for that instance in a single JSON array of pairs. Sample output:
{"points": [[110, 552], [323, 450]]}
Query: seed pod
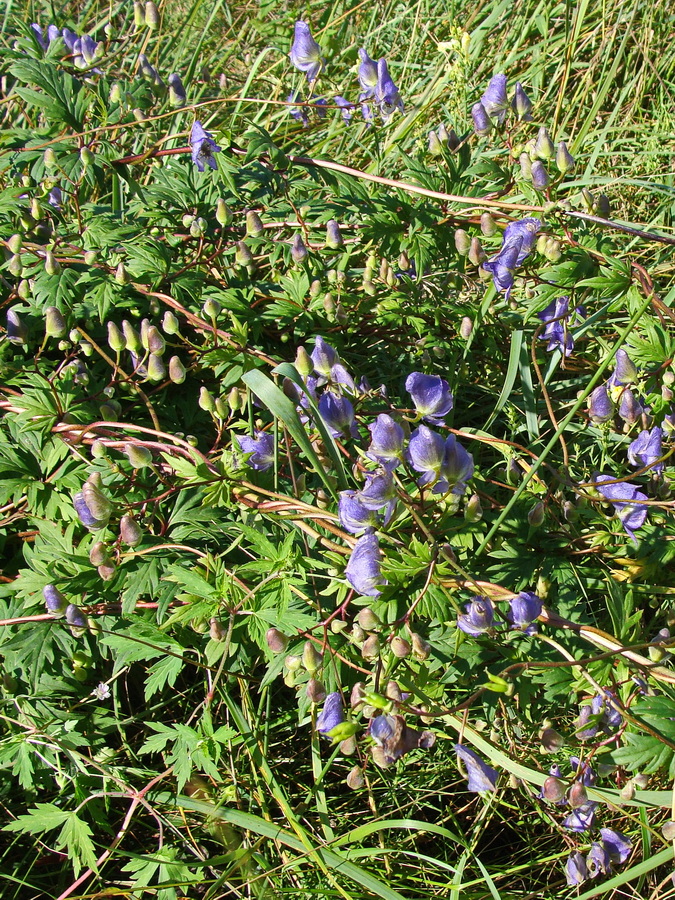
{"points": [[52, 266], [223, 213], [177, 370], [156, 368], [312, 660], [421, 649], [254, 225], [315, 691], [371, 647], [130, 531], [277, 641], [462, 242], [151, 16], [400, 647], [367, 619]]}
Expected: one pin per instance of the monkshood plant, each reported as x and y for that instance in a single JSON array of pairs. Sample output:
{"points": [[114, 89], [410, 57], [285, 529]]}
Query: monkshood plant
{"points": [[300, 455]]}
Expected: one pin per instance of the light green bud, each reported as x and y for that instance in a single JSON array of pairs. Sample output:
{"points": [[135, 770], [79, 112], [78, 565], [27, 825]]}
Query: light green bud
{"points": [[473, 511], [367, 619], [90, 257], [243, 256], [86, 157], [116, 340], [52, 266], [170, 323], [139, 15], [536, 515], [177, 371], [487, 224], [303, 362], [223, 213], [156, 368], [116, 94], [234, 399], [15, 243], [563, 158], [155, 340], [133, 338], [543, 146], [55, 324], [198, 227], [312, 660], [462, 242], [206, 400], [254, 226], [211, 309], [121, 276], [15, 266], [50, 161], [139, 457], [151, 16]]}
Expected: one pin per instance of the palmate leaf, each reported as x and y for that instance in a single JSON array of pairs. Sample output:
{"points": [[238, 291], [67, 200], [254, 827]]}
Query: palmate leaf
{"points": [[61, 96], [651, 752]]}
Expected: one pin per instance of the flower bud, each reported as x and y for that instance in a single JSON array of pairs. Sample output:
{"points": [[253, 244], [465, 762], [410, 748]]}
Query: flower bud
{"points": [[536, 515], [121, 276], [50, 160], [563, 158], [133, 339], [298, 250], [116, 94], [553, 789], [76, 619], [462, 242], [293, 663], [466, 328], [151, 16], [211, 308], [139, 15], [198, 227], [234, 399], [55, 601], [91, 505], [139, 457], [222, 409], [315, 691], [55, 325], [243, 256], [223, 213], [311, 658], [371, 647], [90, 257], [116, 340], [355, 779], [15, 266], [156, 368], [99, 553], [473, 511], [87, 158], [435, 146], [367, 619], [277, 641], [177, 371], [400, 647], [130, 531], [52, 266], [155, 341], [540, 177], [668, 831], [170, 323], [602, 207], [254, 226], [521, 104], [525, 166], [481, 121], [577, 795], [543, 146], [206, 401], [333, 237], [476, 253], [177, 95], [15, 243], [627, 792]]}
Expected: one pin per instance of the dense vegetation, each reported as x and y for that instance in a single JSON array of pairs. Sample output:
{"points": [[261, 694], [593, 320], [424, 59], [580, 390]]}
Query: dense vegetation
{"points": [[337, 387]]}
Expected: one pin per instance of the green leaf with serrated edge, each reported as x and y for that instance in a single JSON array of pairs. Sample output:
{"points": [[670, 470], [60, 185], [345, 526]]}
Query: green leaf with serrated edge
{"points": [[41, 818], [283, 408], [75, 837], [164, 671]]}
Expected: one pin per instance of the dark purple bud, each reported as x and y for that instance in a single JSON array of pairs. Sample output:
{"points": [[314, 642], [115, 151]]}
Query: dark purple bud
{"points": [[298, 250], [55, 601], [16, 330], [431, 395], [481, 121], [75, 616], [332, 713], [363, 569], [646, 450], [625, 498], [586, 724], [177, 95], [617, 845], [600, 407], [625, 371], [478, 618], [630, 408], [39, 36], [481, 776], [494, 100], [203, 147], [521, 104], [540, 177], [305, 52], [583, 771], [338, 414], [333, 237], [525, 609], [261, 449], [576, 871]]}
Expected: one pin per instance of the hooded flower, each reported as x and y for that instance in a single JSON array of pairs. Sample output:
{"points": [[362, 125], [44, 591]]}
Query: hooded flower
{"points": [[203, 147], [630, 408], [556, 317], [91, 505], [478, 618], [622, 495], [445, 465], [332, 714], [55, 601], [386, 92], [261, 449], [525, 609], [394, 738], [598, 861], [646, 450], [600, 406], [324, 357], [582, 818], [363, 569], [367, 75], [617, 845], [576, 870], [481, 120], [481, 776], [625, 370], [431, 395], [517, 243], [379, 490], [353, 515], [305, 52], [386, 445], [494, 100], [338, 414]]}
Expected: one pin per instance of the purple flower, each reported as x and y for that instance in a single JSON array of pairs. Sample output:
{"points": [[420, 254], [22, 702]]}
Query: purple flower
{"points": [[379, 490], [589, 717], [88, 48], [16, 329], [625, 371], [394, 738], [630, 408], [478, 618], [431, 395], [583, 770], [299, 113], [324, 357], [598, 861], [55, 601], [521, 104], [481, 121], [367, 76], [524, 229], [305, 52], [622, 495], [494, 100], [91, 505], [261, 448], [526, 607], [617, 845], [346, 108], [39, 37], [576, 871], [363, 569], [203, 147], [481, 776], [556, 317], [386, 445], [338, 414], [600, 407], [55, 198], [457, 468], [582, 818], [332, 713], [445, 464], [386, 92], [645, 450], [353, 515], [503, 267], [69, 39]]}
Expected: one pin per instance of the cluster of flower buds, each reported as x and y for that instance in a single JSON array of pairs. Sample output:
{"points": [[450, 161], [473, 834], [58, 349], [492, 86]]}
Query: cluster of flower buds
{"points": [[58, 606], [84, 50], [493, 106], [539, 151], [146, 348], [378, 91], [441, 140]]}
